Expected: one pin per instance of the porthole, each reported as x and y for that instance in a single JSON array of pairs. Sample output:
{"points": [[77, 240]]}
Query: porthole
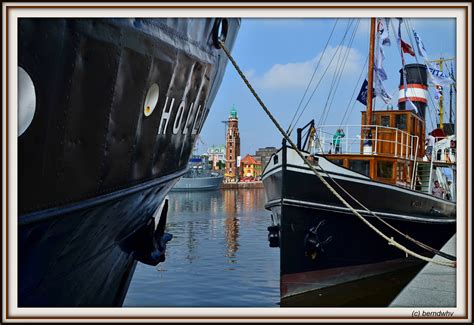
{"points": [[26, 100], [151, 99]]}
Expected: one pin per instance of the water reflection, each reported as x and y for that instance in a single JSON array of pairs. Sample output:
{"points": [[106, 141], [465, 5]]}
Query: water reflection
{"points": [[219, 255], [231, 223]]}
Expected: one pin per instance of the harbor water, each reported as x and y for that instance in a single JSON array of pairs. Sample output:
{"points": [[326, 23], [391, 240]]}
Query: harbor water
{"points": [[218, 257]]}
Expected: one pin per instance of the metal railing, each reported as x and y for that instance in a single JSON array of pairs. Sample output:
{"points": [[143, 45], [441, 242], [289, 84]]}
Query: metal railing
{"points": [[356, 141]]}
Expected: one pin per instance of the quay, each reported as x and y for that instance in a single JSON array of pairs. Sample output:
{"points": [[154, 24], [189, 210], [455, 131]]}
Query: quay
{"points": [[241, 185], [434, 286]]}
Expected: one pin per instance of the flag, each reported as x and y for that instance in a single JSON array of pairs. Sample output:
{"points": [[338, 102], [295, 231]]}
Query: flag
{"points": [[379, 90], [362, 97], [439, 92], [399, 41], [410, 106], [436, 76], [420, 46], [383, 39], [383, 31], [406, 48]]}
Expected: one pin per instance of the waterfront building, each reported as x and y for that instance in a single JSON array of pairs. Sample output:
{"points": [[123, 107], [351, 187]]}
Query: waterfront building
{"points": [[251, 168], [217, 156], [265, 154], [232, 147]]}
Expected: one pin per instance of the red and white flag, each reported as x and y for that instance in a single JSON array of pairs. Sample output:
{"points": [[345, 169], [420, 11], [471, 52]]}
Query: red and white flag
{"points": [[406, 48]]}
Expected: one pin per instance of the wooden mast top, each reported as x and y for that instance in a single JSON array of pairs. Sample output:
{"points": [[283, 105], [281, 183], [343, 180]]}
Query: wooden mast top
{"points": [[370, 78]]}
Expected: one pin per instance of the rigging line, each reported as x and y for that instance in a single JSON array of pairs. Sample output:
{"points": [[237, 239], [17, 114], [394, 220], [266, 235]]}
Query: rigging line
{"points": [[337, 75], [336, 54], [421, 244], [339, 65], [416, 58], [407, 28], [390, 241], [314, 73], [319, 82], [342, 70], [353, 93]]}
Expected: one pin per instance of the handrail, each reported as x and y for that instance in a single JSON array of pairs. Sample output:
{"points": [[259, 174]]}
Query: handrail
{"points": [[324, 136]]}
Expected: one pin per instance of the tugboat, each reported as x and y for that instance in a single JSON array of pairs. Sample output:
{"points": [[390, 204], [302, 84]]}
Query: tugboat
{"points": [[109, 111], [328, 256]]}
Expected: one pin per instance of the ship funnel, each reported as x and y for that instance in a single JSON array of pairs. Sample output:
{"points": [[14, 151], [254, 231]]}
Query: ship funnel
{"points": [[417, 87]]}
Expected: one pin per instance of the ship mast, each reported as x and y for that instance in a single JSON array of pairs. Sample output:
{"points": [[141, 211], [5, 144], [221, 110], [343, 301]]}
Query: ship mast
{"points": [[440, 102], [370, 79]]}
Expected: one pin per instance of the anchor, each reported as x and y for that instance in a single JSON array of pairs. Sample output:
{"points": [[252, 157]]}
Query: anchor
{"points": [[313, 245], [147, 244], [274, 234]]}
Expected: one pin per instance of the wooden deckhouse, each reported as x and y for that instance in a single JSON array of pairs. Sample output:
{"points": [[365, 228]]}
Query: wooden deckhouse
{"points": [[387, 149]]}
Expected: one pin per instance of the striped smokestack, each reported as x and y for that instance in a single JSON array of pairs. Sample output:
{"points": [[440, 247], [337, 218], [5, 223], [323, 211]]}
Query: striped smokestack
{"points": [[417, 87]]}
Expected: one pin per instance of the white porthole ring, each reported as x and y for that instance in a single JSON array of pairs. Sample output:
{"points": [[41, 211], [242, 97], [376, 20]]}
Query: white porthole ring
{"points": [[151, 99], [26, 100]]}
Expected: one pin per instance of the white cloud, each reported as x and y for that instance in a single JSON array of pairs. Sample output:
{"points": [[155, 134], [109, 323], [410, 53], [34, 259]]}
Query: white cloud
{"points": [[298, 74]]}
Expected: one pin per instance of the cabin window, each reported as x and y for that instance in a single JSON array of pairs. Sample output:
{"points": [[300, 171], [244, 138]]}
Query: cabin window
{"points": [[401, 121], [385, 169], [374, 119], [360, 166], [402, 172], [385, 120]]}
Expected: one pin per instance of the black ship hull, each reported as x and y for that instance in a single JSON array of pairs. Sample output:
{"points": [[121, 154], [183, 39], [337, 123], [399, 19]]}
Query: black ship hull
{"points": [[118, 106], [329, 257]]}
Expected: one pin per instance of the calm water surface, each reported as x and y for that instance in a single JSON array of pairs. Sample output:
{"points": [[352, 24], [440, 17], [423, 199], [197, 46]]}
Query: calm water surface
{"points": [[219, 255]]}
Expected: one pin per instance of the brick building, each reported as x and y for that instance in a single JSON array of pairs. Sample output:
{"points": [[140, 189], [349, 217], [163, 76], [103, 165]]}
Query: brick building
{"points": [[232, 147]]}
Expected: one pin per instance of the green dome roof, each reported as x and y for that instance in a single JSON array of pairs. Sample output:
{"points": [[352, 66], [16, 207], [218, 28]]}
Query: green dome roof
{"points": [[233, 112]]}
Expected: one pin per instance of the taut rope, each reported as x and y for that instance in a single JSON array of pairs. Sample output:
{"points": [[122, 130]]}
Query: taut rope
{"points": [[390, 241]]}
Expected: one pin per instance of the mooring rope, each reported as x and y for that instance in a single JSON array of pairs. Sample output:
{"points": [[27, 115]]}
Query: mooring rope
{"points": [[422, 245], [390, 241]]}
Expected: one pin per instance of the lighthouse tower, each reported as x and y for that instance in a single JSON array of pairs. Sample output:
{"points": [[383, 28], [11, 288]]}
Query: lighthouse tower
{"points": [[232, 147]]}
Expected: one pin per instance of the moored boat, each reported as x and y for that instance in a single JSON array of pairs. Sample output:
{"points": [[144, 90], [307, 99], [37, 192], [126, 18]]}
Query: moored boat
{"points": [[199, 177], [382, 170], [109, 111]]}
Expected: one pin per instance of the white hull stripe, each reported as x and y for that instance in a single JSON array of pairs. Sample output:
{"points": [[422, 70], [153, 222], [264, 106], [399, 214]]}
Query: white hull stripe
{"points": [[362, 181], [321, 206]]}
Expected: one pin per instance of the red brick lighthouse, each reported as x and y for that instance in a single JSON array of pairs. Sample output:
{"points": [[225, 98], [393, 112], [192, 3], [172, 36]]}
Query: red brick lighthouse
{"points": [[232, 147]]}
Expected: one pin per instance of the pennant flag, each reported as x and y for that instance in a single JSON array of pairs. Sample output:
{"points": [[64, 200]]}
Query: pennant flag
{"points": [[410, 106], [383, 39], [399, 41], [408, 103], [380, 91], [436, 76], [406, 48], [383, 31], [420, 46]]}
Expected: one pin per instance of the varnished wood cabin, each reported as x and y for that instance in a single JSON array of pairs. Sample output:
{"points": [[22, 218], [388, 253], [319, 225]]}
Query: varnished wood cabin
{"points": [[398, 138]]}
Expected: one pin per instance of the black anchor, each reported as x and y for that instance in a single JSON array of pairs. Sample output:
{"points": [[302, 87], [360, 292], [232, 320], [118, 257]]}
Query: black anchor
{"points": [[313, 245]]}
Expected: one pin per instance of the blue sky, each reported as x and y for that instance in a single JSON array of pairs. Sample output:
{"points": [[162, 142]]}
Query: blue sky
{"points": [[279, 57]]}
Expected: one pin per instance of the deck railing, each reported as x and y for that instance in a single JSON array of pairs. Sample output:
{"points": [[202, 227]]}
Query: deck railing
{"points": [[387, 141]]}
